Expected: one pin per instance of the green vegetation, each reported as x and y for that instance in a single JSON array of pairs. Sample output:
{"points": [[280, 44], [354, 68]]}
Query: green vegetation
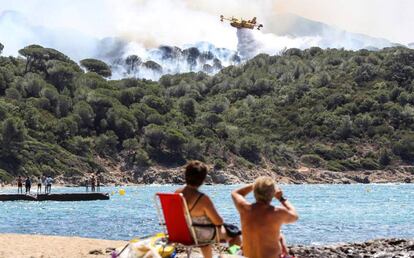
{"points": [[333, 109], [96, 66]]}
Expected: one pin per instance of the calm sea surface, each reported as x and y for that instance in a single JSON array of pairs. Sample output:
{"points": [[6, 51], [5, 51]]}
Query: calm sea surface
{"points": [[328, 213]]}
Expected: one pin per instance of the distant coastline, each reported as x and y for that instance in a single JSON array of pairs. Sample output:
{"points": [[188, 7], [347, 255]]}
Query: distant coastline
{"points": [[302, 175]]}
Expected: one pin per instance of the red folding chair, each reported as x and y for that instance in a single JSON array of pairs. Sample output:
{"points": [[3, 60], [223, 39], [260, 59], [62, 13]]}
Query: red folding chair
{"points": [[176, 221]]}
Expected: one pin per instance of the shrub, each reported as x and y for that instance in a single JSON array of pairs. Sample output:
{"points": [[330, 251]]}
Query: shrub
{"points": [[339, 151], [5, 177], [106, 144], [96, 66], [334, 166], [72, 172], [404, 148], [369, 164], [350, 164], [384, 158], [250, 148], [79, 145], [13, 93], [219, 164], [194, 149], [312, 160], [141, 158]]}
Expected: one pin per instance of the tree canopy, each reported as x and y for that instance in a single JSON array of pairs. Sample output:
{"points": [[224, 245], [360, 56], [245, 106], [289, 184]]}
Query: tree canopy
{"points": [[96, 66], [333, 109]]}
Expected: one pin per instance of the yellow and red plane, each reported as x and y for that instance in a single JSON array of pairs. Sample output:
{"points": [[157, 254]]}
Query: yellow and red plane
{"points": [[240, 23]]}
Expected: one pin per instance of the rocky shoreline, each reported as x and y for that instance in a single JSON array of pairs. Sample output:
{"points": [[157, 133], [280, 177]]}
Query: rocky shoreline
{"points": [[301, 175], [379, 248], [117, 175], [39, 246]]}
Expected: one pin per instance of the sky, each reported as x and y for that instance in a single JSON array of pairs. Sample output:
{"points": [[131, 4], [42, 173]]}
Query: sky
{"points": [[390, 19], [180, 22]]}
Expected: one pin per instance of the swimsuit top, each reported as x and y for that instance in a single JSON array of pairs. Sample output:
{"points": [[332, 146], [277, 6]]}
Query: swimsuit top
{"points": [[203, 220], [195, 203]]}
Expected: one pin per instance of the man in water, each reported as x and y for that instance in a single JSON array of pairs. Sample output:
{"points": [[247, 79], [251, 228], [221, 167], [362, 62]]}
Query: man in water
{"points": [[261, 237], [28, 185], [19, 185]]}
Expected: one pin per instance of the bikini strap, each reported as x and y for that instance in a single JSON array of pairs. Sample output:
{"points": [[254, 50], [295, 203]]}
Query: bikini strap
{"points": [[195, 203]]}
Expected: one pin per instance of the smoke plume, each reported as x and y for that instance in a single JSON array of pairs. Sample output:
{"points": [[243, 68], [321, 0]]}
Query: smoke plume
{"points": [[149, 38]]}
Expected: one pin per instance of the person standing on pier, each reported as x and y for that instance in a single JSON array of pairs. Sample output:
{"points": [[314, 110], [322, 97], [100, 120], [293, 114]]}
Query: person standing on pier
{"points": [[87, 185], [19, 185], [98, 183], [93, 182], [49, 181], [39, 185], [44, 180], [28, 185]]}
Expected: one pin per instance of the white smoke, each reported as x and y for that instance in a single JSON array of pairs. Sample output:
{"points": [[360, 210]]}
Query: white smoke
{"points": [[112, 31], [136, 61]]}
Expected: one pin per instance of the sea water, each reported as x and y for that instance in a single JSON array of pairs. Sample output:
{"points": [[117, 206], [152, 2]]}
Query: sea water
{"points": [[328, 213]]}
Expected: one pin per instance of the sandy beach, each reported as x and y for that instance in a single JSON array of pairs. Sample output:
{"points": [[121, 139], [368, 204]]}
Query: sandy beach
{"points": [[39, 246]]}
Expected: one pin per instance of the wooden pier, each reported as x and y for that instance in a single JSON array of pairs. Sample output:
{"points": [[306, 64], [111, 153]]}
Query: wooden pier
{"points": [[62, 197]]}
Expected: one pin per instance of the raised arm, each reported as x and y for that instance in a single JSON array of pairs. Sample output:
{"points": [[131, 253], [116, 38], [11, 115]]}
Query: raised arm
{"points": [[239, 197], [287, 212]]}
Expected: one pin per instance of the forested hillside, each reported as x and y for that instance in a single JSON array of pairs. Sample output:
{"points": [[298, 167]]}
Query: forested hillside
{"points": [[333, 109]]}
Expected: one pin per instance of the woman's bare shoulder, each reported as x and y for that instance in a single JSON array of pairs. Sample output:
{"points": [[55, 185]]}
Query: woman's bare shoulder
{"points": [[206, 200], [179, 190]]}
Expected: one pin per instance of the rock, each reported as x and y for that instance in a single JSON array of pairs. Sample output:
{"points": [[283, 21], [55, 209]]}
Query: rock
{"points": [[296, 175], [96, 252], [218, 177], [396, 241], [375, 248], [366, 180], [407, 180], [109, 250]]}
